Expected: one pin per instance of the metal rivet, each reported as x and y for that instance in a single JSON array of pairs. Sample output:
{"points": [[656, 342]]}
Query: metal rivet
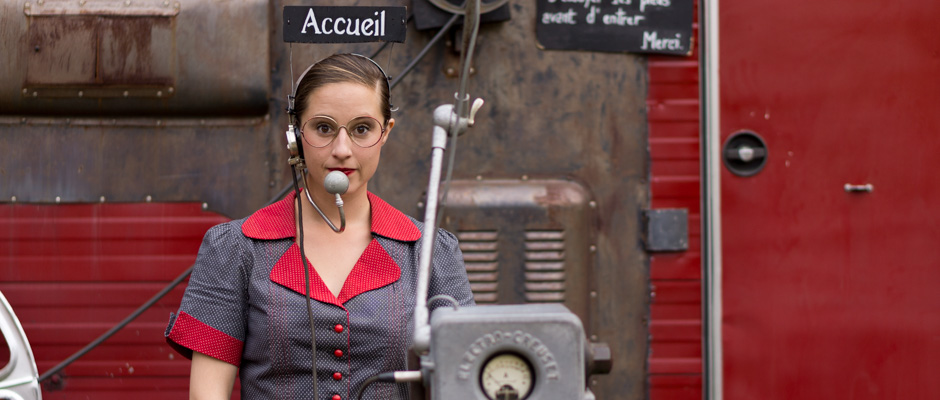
{"points": [[13, 199], [594, 382], [593, 248], [205, 206], [592, 204], [37, 48], [126, 93], [593, 338], [149, 198], [202, 122], [593, 294], [450, 71], [159, 93], [25, 91], [159, 122], [101, 199], [58, 199], [420, 204], [35, 94], [479, 177], [81, 93], [525, 177], [473, 70], [169, 90], [23, 120]]}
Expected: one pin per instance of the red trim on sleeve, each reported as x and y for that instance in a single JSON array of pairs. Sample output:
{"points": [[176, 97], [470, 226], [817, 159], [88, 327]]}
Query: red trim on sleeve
{"points": [[195, 335]]}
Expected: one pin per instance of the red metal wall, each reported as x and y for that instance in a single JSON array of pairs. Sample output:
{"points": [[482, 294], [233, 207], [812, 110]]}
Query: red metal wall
{"points": [[71, 272], [675, 363]]}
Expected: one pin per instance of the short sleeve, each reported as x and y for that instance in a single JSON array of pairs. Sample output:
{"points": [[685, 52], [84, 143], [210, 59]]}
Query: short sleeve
{"points": [[212, 316], [448, 273]]}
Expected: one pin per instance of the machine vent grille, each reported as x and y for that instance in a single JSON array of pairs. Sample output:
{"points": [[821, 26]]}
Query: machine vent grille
{"points": [[480, 257], [545, 266]]}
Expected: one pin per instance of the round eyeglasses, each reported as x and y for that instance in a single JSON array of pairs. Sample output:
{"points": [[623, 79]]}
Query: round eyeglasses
{"points": [[321, 130]]}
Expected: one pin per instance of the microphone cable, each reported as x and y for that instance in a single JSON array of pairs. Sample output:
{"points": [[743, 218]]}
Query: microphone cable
{"points": [[303, 260]]}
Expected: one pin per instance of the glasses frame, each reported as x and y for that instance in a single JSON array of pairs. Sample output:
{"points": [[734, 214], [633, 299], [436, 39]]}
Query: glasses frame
{"points": [[341, 127]]}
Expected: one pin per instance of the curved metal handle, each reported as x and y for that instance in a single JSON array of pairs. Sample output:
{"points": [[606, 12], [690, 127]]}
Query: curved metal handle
{"points": [[866, 188]]}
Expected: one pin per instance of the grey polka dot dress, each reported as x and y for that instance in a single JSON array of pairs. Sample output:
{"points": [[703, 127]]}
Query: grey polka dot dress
{"points": [[245, 305]]}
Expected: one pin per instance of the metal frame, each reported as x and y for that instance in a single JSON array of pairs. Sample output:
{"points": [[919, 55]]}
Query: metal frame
{"points": [[712, 376]]}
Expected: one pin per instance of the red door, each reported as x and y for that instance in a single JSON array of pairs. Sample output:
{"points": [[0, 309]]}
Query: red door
{"points": [[831, 293]]}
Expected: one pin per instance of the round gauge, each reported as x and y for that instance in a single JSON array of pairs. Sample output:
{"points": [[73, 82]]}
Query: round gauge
{"points": [[506, 375]]}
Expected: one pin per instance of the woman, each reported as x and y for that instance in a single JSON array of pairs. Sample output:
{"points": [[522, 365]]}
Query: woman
{"points": [[244, 310]]}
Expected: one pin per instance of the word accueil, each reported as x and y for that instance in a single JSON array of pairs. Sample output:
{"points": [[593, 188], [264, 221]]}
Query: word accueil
{"points": [[346, 26]]}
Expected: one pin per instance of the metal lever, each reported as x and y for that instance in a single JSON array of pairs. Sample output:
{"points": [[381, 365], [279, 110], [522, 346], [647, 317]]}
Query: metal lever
{"points": [[866, 188], [473, 110]]}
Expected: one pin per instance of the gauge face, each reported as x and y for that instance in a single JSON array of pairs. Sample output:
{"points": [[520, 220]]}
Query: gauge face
{"points": [[506, 374]]}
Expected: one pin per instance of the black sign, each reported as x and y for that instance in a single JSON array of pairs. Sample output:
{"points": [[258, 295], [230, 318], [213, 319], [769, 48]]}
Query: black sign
{"points": [[320, 24], [636, 26]]}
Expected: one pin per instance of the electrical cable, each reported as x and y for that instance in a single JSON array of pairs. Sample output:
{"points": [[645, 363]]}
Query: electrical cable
{"points": [[382, 377], [449, 298], [303, 260], [424, 51]]}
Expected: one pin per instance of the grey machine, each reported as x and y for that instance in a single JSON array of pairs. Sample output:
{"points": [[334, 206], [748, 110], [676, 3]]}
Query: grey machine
{"points": [[496, 352]]}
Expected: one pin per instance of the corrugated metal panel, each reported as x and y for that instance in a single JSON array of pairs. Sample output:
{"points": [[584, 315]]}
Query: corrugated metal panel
{"points": [[675, 363], [73, 271]]}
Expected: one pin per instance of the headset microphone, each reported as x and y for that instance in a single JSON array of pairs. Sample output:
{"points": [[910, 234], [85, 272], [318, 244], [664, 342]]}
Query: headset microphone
{"points": [[336, 183]]}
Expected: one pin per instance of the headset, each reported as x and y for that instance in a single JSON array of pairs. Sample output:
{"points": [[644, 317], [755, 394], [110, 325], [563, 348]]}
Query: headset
{"points": [[293, 129], [335, 183]]}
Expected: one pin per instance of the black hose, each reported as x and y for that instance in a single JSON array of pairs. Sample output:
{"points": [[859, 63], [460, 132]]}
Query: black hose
{"points": [[383, 377], [140, 310]]}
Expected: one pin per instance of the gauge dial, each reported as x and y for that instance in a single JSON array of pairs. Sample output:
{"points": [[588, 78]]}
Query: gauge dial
{"points": [[506, 373]]}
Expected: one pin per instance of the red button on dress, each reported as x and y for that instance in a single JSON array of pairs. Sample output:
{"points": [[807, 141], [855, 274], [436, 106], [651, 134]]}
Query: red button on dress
{"points": [[338, 353], [336, 397], [337, 376], [338, 328]]}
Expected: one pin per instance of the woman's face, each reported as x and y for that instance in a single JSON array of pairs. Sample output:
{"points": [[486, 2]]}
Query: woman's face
{"points": [[343, 102]]}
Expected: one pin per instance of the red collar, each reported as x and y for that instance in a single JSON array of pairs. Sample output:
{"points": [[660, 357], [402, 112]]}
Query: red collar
{"points": [[276, 221], [374, 269]]}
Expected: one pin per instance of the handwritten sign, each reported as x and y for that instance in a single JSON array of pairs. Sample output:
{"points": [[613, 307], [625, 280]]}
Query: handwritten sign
{"points": [[324, 24], [636, 26]]}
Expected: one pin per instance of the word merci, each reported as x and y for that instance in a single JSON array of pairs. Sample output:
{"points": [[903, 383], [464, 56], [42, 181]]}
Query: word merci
{"points": [[651, 41], [346, 26], [488, 340]]}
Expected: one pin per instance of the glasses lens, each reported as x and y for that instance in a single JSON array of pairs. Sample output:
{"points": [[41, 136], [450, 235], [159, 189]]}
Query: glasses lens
{"points": [[365, 131], [319, 131]]}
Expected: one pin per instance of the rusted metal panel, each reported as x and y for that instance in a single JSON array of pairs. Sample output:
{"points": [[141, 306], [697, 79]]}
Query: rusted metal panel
{"points": [[526, 241], [128, 59]]}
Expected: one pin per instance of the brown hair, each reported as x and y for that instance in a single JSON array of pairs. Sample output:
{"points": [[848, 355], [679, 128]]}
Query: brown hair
{"points": [[343, 68]]}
